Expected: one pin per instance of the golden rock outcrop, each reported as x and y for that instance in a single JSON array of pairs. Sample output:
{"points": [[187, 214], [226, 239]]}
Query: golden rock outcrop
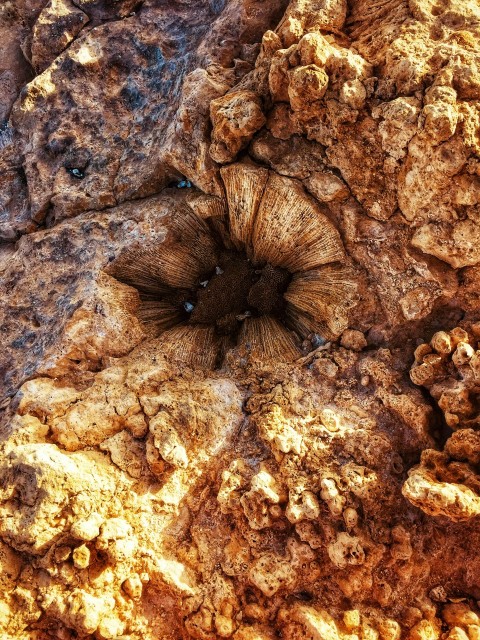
{"points": [[240, 320]]}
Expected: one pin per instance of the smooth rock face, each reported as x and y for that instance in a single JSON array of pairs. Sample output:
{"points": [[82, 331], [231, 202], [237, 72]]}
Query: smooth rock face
{"points": [[240, 320]]}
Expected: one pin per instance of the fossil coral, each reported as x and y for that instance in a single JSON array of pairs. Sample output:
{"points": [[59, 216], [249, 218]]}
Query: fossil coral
{"points": [[268, 338], [290, 231], [192, 279], [324, 294], [195, 346], [244, 187], [184, 255]]}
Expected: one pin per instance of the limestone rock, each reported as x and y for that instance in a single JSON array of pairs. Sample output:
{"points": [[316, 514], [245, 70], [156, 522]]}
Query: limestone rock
{"points": [[47, 479], [447, 483], [240, 320], [235, 118], [145, 81], [14, 70], [57, 26]]}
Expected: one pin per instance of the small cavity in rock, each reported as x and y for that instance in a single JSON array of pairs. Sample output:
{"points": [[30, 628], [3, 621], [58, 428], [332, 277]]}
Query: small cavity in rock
{"points": [[239, 289]]}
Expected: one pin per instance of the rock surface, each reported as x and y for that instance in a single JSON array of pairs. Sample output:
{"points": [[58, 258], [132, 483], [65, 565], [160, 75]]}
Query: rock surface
{"points": [[240, 320]]}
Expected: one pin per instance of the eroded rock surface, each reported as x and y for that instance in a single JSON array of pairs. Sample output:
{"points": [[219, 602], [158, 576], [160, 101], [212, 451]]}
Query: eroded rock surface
{"points": [[446, 482], [240, 320]]}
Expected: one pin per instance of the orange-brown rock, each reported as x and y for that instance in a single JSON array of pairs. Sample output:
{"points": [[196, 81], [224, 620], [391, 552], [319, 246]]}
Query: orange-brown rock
{"points": [[235, 118], [239, 320]]}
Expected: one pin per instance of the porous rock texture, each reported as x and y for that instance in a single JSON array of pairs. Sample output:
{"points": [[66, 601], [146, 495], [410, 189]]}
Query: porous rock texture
{"points": [[307, 467]]}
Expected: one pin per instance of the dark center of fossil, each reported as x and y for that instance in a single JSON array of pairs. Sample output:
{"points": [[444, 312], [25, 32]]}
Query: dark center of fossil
{"points": [[237, 289]]}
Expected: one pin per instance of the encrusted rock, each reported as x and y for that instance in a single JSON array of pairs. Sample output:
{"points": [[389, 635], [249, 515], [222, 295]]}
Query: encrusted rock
{"points": [[240, 320], [448, 483], [235, 118]]}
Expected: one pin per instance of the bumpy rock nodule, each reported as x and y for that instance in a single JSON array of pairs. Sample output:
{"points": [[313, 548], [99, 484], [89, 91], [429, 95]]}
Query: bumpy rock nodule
{"points": [[305, 464]]}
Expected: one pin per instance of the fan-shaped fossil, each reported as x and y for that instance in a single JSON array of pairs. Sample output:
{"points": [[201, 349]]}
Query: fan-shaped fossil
{"points": [[262, 269]]}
